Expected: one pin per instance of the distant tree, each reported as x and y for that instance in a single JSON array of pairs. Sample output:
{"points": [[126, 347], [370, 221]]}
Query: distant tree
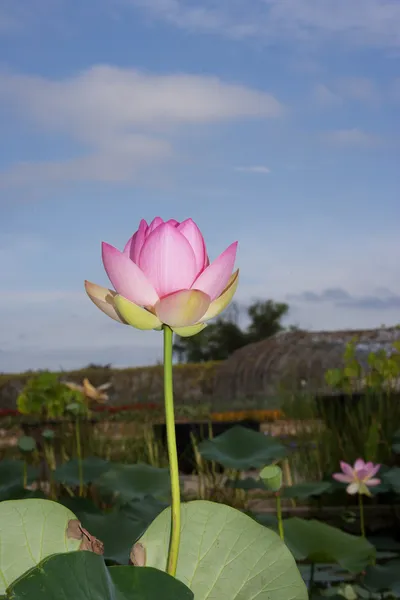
{"points": [[265, 319], [221, 338]]}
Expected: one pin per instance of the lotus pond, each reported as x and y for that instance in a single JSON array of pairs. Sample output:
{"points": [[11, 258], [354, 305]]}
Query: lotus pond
{"points": [[121, 504]]}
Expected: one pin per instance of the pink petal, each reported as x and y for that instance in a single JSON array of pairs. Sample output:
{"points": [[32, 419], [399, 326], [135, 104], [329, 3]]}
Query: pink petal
{"points": [[167, 259], [173, 222], [129, 244], [193, 235], [135, 244], [359, 464], [128, 280], [347, 469], [182, 308], [342, 477], [367, 473], [361, 474], [214, 278], [373, 470], [153, 225], [372, 482]]}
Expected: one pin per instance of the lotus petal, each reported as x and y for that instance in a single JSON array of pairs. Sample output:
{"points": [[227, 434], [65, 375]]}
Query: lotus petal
{"points": [[359, 464], [190, 330], [214, 279], [343, 478], [372, 482], [135, 315], [154, 224], [168, 261], [194, 236], [373, 470], [347, 469], [73, 386], [217, 306], [353, 488], [135, 244], [182, 308], [103, 298], [127, 278], [90, 391], [363, 489]]}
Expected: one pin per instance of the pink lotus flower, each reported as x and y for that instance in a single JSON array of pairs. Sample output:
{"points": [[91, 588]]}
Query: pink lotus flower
{"points": [[163, 276], [359, 477]]}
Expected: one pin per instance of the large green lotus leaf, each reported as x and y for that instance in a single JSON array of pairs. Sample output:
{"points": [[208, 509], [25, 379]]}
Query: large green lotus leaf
{"points": [[93, 468], [392, 478], [302, 491], [143, 510], [225, 555], [117, 532], [266, 519], [119, 529], [249, 483], [127, 482], [385, 577], [241, 448], [84, 576], [317, 542], [12, 478], [80, 506], [31, 530], [325, 574]]}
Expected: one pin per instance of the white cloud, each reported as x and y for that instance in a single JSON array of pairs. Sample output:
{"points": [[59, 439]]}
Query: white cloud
{"points": [[119, 161], [124, 117], [325, 97], [352, 137], [367, 22], [347, 89], [261, 169], [360, 89]]}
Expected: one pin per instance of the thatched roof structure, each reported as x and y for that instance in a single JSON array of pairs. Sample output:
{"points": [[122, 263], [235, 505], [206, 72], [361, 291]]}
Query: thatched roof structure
{"points": [[294, 361]]}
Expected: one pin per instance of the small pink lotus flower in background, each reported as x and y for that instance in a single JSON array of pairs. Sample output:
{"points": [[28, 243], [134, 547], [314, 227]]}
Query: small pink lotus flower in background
{"points": [[360, 476], [163, 276]]}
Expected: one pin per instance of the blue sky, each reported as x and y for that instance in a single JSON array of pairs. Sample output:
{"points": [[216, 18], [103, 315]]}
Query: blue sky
{"points": [[271, 122]]}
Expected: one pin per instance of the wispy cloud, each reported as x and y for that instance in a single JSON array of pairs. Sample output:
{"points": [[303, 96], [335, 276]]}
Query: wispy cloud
{"points": [[260, 169], [18, 15], [323, 96], [347, 89], [366, 22], [352, 137], [383, 300], [361, 89], [124, 117]]}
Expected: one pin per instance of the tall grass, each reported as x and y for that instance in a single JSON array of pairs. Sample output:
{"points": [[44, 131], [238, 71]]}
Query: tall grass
{"points": [[338, 428]]}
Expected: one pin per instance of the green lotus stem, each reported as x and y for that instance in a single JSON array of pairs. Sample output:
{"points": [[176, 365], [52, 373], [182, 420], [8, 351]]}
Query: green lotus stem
{"points": [[50, 463], [361, 510], [25, 475], [311, 581], [79, 455], [173, 550], [279, 515]]}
